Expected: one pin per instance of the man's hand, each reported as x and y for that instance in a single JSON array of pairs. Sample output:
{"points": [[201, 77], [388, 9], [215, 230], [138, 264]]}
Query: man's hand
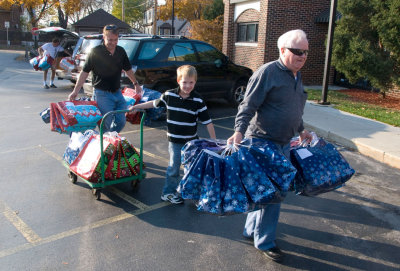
{"points": [[72, 95], [305, 137], [236, 138]]}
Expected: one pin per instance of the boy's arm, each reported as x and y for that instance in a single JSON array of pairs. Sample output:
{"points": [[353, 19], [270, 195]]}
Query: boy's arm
{"points": [[211, 130], [145, 105]]}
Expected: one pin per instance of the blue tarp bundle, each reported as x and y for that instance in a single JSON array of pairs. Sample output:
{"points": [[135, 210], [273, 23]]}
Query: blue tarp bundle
{"points": [[320, 168]]}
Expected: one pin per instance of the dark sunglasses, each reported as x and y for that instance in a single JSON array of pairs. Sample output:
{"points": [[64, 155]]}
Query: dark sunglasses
{"points": [[298, 52], [111, 27]]}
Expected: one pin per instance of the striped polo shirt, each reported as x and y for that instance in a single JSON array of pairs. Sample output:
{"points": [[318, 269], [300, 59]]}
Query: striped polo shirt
{"points": [[182, 114]]}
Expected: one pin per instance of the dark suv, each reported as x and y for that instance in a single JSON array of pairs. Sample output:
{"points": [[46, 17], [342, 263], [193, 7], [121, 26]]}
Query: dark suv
{"points": [[155, 60]]}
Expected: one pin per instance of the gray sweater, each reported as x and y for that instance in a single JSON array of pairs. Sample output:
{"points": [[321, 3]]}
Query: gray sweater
{"points": [[273, 105]]}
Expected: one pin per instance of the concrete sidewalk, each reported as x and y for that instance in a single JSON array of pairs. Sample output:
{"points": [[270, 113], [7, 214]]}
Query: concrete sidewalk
{"points": [[371, 138]]}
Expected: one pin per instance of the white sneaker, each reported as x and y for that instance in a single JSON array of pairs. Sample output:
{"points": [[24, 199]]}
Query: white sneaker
{"points": [[175, 199]]}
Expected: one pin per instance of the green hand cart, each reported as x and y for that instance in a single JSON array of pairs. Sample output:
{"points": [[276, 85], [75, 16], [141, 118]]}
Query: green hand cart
{"points": [[135, 179]]}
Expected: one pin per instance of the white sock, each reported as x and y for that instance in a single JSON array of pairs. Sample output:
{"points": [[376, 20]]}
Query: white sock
{"points": [[51, 82], [44, 83]]}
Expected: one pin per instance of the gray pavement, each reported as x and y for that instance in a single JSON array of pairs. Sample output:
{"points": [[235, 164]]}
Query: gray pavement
{"points": [[371, 138], [47, 223]]}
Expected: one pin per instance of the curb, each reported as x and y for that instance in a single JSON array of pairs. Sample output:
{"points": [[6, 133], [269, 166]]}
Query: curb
{"points": [[378, 155]]}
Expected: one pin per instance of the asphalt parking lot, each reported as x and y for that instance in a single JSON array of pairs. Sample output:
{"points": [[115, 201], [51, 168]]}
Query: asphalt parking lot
{"points": [[48, 223]]}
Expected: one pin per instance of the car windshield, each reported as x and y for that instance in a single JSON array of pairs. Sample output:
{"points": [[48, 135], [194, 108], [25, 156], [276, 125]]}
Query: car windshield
{"points": [[88, 44], [130, 47]]}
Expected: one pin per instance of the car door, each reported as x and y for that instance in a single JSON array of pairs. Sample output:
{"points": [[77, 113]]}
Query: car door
{"points": [[212, 70], [182, 53]]}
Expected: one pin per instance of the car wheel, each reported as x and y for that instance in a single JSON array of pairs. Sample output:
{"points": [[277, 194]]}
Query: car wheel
{"points": [[237, 93]]}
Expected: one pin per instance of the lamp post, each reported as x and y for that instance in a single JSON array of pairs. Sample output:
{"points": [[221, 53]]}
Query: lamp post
{"points": [[123, 11], [155, 18], [173, 18], [328, 54]]}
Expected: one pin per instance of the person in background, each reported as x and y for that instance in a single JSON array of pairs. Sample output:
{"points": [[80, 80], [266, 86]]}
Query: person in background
{"points": [[106, 62], [51, 49], [272, 109], [184, 106]]}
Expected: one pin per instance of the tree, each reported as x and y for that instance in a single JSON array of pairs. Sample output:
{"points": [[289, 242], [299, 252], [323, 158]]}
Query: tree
{"points": [[36, 8], [184, 9], [205, 17], [209, 31], [364, 46], [134, 10], [214, 10], [65, 8]]}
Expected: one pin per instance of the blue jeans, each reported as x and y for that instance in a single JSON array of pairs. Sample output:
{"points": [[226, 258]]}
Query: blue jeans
{"points": [[108, 101], [261, 224], [172, 177]]}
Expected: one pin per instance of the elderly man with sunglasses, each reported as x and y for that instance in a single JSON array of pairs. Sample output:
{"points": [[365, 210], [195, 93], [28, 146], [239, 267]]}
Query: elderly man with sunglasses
{"points": [[272, 109], [106, 62]]}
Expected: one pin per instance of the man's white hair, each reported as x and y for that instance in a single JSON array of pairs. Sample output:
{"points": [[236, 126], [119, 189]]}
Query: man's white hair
{"points": [[288, 39]]}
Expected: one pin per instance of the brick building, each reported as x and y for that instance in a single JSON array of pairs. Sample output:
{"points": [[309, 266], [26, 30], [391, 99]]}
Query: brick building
{"points": [[252, 29]]}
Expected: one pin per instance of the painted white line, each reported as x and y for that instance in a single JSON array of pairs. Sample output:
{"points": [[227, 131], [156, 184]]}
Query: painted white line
{"points": [[20, 225], [81, 229], [128, 198]]}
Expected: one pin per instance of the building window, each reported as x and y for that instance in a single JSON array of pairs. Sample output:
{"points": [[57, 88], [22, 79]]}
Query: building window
{"points": [[247, 32]]}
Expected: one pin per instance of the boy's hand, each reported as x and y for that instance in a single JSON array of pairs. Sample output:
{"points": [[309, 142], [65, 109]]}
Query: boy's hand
{"points": [[132, 108]]}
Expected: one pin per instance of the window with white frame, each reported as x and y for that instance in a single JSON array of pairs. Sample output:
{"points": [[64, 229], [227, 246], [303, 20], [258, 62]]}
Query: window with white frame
{"points": [[247, 32]]}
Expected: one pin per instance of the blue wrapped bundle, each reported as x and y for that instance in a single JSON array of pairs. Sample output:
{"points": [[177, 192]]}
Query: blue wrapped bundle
{"points": [[234, 197], [274, 164], [321, 169], [193, 148], [257, 184], [45, 62], [190, 185], [150, 95], [45, 114], [210, 195]]}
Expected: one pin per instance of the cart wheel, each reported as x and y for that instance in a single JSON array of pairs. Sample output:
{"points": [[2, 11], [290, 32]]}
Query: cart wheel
{"points": [[96, 193], [135, 184], [72, 177]]}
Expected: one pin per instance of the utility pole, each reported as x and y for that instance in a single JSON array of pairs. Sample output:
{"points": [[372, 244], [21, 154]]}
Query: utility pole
{"points": [[328, 54], [155, 18], [173, 18], [123, 11]]}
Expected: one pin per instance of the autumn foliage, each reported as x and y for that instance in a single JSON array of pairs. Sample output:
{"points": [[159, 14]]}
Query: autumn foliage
{"points": [[205, 17]]}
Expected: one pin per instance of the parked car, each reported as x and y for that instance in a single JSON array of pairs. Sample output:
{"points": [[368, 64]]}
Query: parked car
{"points": [[83, 48], [155, 60], [68, 40]]}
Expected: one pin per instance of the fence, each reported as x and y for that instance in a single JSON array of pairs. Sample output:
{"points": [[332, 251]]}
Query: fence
{"points": [[21, 38]]}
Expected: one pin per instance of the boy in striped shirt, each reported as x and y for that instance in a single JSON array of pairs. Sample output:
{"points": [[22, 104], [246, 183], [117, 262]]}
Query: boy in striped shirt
{"points": [[184, 107]]}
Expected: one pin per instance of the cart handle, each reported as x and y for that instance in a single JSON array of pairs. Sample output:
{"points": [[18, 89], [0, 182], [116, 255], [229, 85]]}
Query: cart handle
{"points": [[101, 138]]}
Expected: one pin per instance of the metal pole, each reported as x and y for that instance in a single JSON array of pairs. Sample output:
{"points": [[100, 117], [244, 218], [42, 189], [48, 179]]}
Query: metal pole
{"points": [[155, 18], [328, 54], [173, 18], [123, 11]]}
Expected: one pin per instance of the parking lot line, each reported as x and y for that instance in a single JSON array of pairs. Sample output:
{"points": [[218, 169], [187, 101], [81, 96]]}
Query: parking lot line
{"points": [[223, 118], [223, 127], [155, 156], [20, 225], [128, 198], [81, 229]]}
